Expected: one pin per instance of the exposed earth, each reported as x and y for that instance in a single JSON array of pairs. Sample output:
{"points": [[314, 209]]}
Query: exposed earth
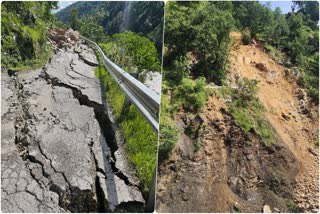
{"points": [[216, 167], [60, 149]]}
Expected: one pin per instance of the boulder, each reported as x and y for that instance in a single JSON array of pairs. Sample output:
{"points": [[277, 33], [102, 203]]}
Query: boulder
{"points": [[261, 67], [266, 209], [73, 35], [271, 76]]}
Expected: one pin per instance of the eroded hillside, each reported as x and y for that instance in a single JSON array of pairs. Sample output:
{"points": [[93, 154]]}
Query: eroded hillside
{"points": [[288, 110], [217, 167]]}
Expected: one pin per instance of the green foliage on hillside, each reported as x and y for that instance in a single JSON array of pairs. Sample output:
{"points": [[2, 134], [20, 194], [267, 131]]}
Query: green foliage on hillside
{"points": [[141, 140], [191, 95], [133, 52], [203, 29], [144, 18], [23, 33], [196, 52]]}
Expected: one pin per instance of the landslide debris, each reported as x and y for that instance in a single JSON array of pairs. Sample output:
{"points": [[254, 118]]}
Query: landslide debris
{"points": [[290, 112]]}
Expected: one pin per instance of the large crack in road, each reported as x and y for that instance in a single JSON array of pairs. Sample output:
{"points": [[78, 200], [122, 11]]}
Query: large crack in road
{"points": [[60, 147]]}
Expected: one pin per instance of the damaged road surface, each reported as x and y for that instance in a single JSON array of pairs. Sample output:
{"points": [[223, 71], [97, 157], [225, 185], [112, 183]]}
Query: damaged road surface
{"points": [[59, 151]]}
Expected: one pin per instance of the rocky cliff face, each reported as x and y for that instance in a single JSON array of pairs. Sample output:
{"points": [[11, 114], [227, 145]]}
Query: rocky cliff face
{"points": [[60, 151]]}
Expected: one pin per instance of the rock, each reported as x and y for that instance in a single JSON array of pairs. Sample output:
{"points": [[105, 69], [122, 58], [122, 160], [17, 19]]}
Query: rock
{"points": [[233, 181], [300, 93], [271, 76], [236, 207], [208, 151], [61, 38], [73, 35], [312, 151], [77, 50], [261, 67], [173, 167], [249, 157], [246, 60], [266, 209], [285, 116]]}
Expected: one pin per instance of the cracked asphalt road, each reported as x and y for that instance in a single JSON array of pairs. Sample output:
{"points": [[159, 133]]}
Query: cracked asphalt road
{"points": [[60, 150]]}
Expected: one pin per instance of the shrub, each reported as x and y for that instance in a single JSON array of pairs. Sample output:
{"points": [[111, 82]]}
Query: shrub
{"points": [[168, 139], [192, 95], [179, 70], [246, 92], [246, 36]]}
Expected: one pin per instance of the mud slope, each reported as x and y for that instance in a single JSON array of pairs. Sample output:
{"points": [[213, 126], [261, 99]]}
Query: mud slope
{"points": [[289, 112], [59, 151], [235, 172]]}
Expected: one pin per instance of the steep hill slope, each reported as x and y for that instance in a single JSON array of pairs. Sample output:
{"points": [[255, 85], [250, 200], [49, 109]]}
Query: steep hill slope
{"points": [[217, 167], [289, 112]]}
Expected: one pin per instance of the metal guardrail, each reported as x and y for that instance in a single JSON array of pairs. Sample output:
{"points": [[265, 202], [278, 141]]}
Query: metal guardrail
{"points": [[146, 100]]}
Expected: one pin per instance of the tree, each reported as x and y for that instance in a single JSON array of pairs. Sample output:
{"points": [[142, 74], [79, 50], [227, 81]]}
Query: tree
{"points": [[308, 8], [74, 19], [203, 29], [280, 29]]}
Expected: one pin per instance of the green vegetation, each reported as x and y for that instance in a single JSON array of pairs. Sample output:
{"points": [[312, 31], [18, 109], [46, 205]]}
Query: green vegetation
{"points": [[23, 26], [191, 95], [247, 110], [197, 146], [141, 140], [133, 52], [246, 36], [292, 206], [201, 28], [275, 54], [196, 41]]}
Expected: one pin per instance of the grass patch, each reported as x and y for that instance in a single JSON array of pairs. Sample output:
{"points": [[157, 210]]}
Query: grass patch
{"points": [[274, 53], [168, 130], [292, 206], [247, 110], [197, 145], [141, 140]]}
